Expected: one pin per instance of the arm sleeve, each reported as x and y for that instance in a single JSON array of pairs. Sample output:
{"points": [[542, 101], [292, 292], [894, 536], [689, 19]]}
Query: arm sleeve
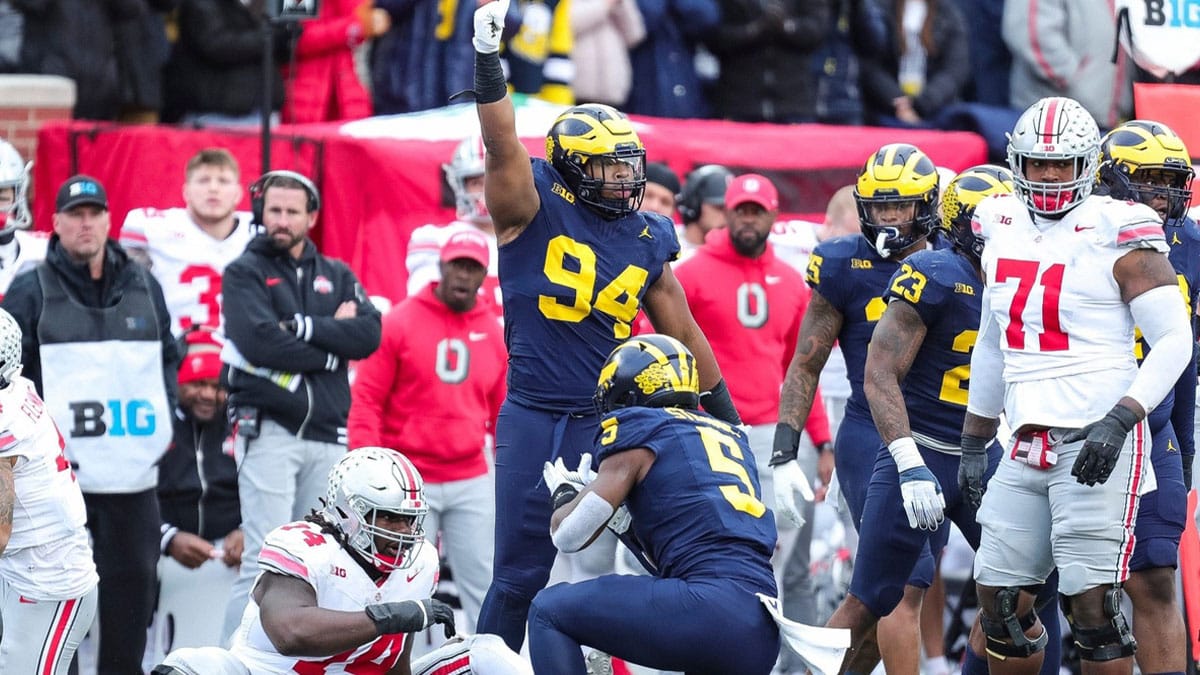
{"points": [[1183, 416], [1163, 321], [986, 395]]}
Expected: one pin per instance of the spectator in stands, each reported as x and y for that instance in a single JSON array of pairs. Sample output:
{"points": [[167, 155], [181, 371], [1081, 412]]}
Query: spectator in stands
{"points": [[142, 52], [198, 497], [921, 68], [702, 206], [605, 31], [991, 62], [760, 47], [321, 83], [97, 343], [76, 39], [662, 190], [440, 367], [188, 248], [836, 66], [293, 319], [424, 58], [1051, 58], [215, 74], [12, 31], [538, 48], [664, 63]]}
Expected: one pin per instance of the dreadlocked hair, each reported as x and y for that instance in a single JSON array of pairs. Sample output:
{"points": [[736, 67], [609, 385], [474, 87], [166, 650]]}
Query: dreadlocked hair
{"points": [[320, 519]]}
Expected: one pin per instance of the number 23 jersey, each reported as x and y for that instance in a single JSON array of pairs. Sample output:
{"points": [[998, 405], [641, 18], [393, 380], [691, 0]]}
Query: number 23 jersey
{"points": [[1065, 332], [572, 284]]}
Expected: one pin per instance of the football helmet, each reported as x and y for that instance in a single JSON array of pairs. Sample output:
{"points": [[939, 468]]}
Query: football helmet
{"points": [[1054, 128], [1142, 160], [704, 184], [655, 371], [586, 139], [14, 173], [895, 175], [365, 482], [467, 162], [10, 349], [963, 194]]}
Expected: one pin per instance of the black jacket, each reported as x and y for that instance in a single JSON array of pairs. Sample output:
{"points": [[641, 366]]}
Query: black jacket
{"points": [[266, 286], [197, 478], [24, 302], [216, 64]]}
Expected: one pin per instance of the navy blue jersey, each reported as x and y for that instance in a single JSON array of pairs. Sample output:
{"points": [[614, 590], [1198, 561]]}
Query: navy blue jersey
{"points": [[851, 276], [944, 289], [1184, 240], [572, 283], [699, 509]]}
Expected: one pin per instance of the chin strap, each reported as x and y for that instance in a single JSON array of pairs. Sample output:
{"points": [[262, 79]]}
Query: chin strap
{"points": [[340, 537]]}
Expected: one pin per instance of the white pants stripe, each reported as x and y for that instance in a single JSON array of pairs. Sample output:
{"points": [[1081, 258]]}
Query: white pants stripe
{"points": [[42, 635]]}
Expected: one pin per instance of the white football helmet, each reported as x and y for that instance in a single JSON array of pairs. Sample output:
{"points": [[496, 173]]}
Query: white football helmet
{"points": [[14, 173], [468, 162], [10, 349], [369, 480], [1055, 128]]}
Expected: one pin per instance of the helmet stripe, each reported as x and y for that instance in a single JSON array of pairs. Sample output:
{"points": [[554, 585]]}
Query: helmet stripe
{"points": [[1048, 124]]}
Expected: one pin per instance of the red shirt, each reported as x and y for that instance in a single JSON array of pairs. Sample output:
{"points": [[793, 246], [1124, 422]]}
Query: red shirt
{"points": [[750, 309], [433, 388]]}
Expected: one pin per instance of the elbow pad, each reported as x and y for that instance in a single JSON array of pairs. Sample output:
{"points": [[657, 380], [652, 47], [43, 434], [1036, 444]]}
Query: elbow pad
{"points": [[1164, 324]]}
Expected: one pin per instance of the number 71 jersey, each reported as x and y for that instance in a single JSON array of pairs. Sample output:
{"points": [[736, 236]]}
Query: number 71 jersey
{"points": [[1065, 332]]}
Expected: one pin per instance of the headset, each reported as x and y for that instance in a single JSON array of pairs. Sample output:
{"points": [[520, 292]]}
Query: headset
{"points": [[258, 190]]}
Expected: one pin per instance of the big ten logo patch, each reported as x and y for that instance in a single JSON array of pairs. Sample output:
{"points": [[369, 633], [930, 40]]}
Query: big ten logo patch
{"points": [[1173, 13], [114, 417]]}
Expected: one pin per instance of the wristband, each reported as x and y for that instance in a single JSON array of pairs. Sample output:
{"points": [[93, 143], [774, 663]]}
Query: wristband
{"points": [[787, 444], [490, 85], [718, 403], [563, 494], [904, 451]]}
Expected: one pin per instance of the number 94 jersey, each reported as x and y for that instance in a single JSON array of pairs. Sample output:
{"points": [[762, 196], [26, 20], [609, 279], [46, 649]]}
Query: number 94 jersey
{"points": [[945, 292], [699, 509], [1051, 297], [572, 284]]}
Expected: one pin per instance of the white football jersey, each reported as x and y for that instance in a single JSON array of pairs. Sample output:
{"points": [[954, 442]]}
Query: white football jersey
{"points": [[24, 252], [302, 551], [794, 241], [424, 254], [187, 262], [1064, 331], [47, 555]]}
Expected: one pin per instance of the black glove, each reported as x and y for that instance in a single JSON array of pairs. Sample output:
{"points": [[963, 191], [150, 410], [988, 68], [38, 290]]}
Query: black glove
{"points": [[971, 467], [1187, 471], [718, 403], [411, 616], [787, 444], [1102, 443]]}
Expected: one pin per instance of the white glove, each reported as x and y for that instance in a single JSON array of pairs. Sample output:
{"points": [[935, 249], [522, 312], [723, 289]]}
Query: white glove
{"points": [[620, 521], [923, 500], [557, 474], [584, 471], [789, 479], [489, 26]]}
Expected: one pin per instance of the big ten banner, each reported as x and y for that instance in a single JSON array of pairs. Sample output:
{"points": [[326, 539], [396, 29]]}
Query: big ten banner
{"points": [[1162, 36]]}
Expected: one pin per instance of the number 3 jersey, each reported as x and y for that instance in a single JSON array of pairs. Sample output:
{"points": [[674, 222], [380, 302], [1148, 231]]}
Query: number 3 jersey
{"points": [[572, 284], [301, 550], [699, 510], [48, 556], [187, 261], [1064, 331]]}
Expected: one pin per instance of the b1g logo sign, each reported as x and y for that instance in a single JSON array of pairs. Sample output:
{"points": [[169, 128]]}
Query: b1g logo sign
{"points": [[1162, 36], [1172, 13], [114, 417]]}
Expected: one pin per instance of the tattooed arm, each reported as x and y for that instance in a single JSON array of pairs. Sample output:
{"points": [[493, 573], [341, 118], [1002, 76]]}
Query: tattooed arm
{"points": [[818, 332], [894, 346], [8, 495]]}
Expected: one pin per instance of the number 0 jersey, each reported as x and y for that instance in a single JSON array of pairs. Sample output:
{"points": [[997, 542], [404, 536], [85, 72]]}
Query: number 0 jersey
{"points": [[698, 510], [1065, 333], [945, 292], [186, 260], [303, 551], [572, 284]]}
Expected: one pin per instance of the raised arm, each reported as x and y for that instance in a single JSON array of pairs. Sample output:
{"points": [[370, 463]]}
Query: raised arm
{"points": [[508, 186]]}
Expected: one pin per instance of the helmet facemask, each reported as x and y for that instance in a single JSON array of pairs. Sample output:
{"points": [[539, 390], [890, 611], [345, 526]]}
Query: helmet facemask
{"points": [[889, 237], [361, 487], [1145, 161], [1054, 129], [896, 180], [600, 157], [467, 163]]}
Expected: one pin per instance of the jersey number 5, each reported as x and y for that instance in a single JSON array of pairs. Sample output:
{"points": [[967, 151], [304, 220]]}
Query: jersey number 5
{"points": [[572, 264], [724, 456]]}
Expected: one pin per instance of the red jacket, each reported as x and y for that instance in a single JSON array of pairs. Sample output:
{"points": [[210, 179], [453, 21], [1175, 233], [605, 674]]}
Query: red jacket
{"points": [[323, 86], [433, 388], [750, 309]]}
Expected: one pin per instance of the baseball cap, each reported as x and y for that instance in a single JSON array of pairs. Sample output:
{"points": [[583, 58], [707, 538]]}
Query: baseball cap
{"points": [[470, 245], [203, 358], [80, 190], [751, 187], [660, 173]]}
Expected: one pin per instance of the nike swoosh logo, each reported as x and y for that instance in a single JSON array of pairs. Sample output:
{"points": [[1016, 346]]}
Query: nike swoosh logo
{"points": [[476, 337], [1081, 228], [772, 280], [26, 601], [273, 281], [413, 576]]}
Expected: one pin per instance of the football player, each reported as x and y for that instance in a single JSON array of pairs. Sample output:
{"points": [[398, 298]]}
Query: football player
{"points": [[20, 248], [344, 589], [577, 261], [1067, 277], [897, 195], [464, 173], [187, 249], [689, 483], [48, 582], [1146, 162]]}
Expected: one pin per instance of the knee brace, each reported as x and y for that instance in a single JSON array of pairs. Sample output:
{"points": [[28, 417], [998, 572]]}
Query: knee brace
{"points": [[1005, 635], [1103, 643]]}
